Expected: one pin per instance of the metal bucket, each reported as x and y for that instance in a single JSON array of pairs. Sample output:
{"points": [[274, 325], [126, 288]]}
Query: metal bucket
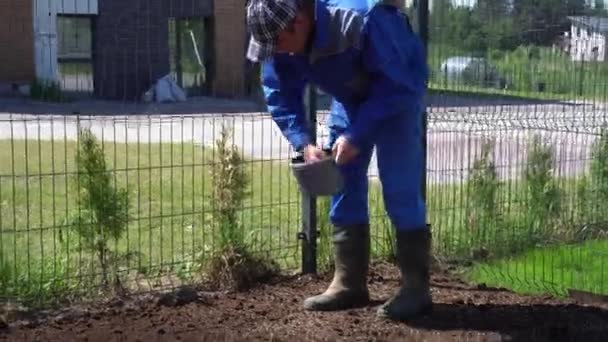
{"points": [[322, 178]]}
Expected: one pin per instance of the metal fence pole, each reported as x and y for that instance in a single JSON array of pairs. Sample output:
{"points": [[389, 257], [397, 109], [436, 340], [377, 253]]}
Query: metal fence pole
{"points": [[422, 23], [309, 203]]}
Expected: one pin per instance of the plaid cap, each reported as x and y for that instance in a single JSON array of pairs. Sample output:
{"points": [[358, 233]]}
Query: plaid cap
{"points": [[266, 19]]}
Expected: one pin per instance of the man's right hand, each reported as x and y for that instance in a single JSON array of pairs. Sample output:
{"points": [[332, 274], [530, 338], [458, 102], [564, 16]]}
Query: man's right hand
{"points": [[313, 154]]}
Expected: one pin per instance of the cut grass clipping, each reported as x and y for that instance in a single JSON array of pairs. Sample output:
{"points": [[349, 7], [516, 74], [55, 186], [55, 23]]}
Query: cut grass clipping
{"points": [[234, 266]]}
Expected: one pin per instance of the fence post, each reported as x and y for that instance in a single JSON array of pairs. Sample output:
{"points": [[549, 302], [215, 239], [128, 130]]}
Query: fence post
{"points": [[422, 23], [309, 203]]}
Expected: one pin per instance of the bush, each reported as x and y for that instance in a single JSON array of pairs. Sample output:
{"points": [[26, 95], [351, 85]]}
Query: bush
{"points": [[103, 211], [230, 185], [47, 91], [599, 168], [234, 265], [541, 69], [484, 212], [491, 231], [543, 201], [593, 189]]}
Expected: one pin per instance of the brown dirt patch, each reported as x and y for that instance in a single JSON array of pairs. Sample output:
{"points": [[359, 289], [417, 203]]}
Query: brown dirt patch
{"points": [[273, 312]]}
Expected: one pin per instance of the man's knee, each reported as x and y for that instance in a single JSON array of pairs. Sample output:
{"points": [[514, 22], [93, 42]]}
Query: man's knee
{"points": [[400, 168]]}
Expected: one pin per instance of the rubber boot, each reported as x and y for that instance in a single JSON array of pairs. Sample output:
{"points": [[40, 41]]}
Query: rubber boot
{"points": [[413, 298], [348, 288]]}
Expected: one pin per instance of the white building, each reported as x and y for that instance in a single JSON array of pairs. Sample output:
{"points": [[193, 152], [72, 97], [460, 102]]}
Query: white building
{"points": [[47, 35], [455, 3], [587, 38], [41, 37], [46, 38]]}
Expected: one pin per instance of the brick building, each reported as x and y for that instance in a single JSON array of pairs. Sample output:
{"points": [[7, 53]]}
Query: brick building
{"points": [[117, 49], [16, 42], [201, 43]]}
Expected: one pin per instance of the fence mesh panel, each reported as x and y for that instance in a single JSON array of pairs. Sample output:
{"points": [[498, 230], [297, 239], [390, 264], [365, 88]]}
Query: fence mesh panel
{"points": [[517, 173], [517, 166]]}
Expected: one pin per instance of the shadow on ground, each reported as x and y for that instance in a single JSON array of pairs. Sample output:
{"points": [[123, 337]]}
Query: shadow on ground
{"points": [[520, 322]]}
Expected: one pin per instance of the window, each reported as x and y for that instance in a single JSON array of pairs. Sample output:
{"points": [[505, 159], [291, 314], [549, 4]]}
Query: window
{"points": [[190, 54], [75, 52]]}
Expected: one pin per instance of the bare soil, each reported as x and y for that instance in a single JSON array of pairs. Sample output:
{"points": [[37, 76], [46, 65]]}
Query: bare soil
{"points": [[273, 312]]}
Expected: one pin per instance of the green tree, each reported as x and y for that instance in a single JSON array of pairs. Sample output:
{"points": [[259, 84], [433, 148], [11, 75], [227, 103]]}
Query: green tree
{"points": [[103, 210], [599, 8], [439, 20], [492, 9], [544, 197], [540, 22], [466, 29], [497, 26], [487, 25]]}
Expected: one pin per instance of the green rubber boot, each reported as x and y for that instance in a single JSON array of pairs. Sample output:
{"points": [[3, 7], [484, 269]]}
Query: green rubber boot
{"points": [[348, 288], [414, 297]]}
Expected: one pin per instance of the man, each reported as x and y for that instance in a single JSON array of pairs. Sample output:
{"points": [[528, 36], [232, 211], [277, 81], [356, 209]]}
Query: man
{"points": [[372, 63]]}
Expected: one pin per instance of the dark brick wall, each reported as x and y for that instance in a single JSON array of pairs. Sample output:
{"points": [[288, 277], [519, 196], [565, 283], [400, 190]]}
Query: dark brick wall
{"points": [[132, 44], [16, 41], [230, 49]]}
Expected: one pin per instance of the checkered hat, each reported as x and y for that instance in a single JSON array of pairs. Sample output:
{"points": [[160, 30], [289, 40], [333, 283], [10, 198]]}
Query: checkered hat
{"points": [[266, 19]]}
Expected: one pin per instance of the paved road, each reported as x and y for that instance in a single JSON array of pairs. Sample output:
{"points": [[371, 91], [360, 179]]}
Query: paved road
{"points": [[456, 133]]}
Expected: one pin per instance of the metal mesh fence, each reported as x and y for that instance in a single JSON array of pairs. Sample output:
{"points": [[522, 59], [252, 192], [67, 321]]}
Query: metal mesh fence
{"points": [[164, 163], [517, 172], [517, 149]]}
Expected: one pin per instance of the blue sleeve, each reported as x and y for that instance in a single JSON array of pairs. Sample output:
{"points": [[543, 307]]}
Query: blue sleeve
{"points": [[283, 92], [394, 57]]}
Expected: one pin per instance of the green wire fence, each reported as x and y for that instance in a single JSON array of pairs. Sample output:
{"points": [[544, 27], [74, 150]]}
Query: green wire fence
{"points": [[138, 197]]}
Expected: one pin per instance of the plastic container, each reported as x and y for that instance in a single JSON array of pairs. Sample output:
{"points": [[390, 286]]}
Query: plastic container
{"points": [[322, 178]]}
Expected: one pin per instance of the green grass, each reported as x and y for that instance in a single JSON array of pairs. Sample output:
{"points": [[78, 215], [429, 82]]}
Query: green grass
{"points": [[564, 79], [170, 228], [171, 208], [552, 270], [170, 231], [464, 90]]}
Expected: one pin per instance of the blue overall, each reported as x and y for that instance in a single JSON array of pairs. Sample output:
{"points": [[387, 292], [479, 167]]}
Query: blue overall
{"points": [[368, 58]]}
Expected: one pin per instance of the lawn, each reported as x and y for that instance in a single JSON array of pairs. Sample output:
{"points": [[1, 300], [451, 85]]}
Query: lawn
{"points": [[171, 232], [554, 269], [171, 218]]}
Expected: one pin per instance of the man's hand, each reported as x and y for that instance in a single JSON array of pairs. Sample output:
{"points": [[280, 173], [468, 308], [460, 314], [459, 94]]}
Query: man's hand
{"points": [[313, 154], [344, 151]]}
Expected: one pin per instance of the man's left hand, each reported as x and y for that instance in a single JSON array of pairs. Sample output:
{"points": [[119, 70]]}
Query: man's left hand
{"points": [[344, 151]]}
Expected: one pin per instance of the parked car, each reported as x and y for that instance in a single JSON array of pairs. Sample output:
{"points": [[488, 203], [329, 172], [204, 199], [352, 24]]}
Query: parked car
{"points": [[474, 71]]}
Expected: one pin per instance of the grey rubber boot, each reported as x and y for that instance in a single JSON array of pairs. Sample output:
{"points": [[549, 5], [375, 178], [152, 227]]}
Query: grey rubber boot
{"points": [[348, 288], [414, 297]]}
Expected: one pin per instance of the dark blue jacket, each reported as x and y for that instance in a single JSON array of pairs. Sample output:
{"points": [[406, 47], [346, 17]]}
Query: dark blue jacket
{"points": [[363, 54]]}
